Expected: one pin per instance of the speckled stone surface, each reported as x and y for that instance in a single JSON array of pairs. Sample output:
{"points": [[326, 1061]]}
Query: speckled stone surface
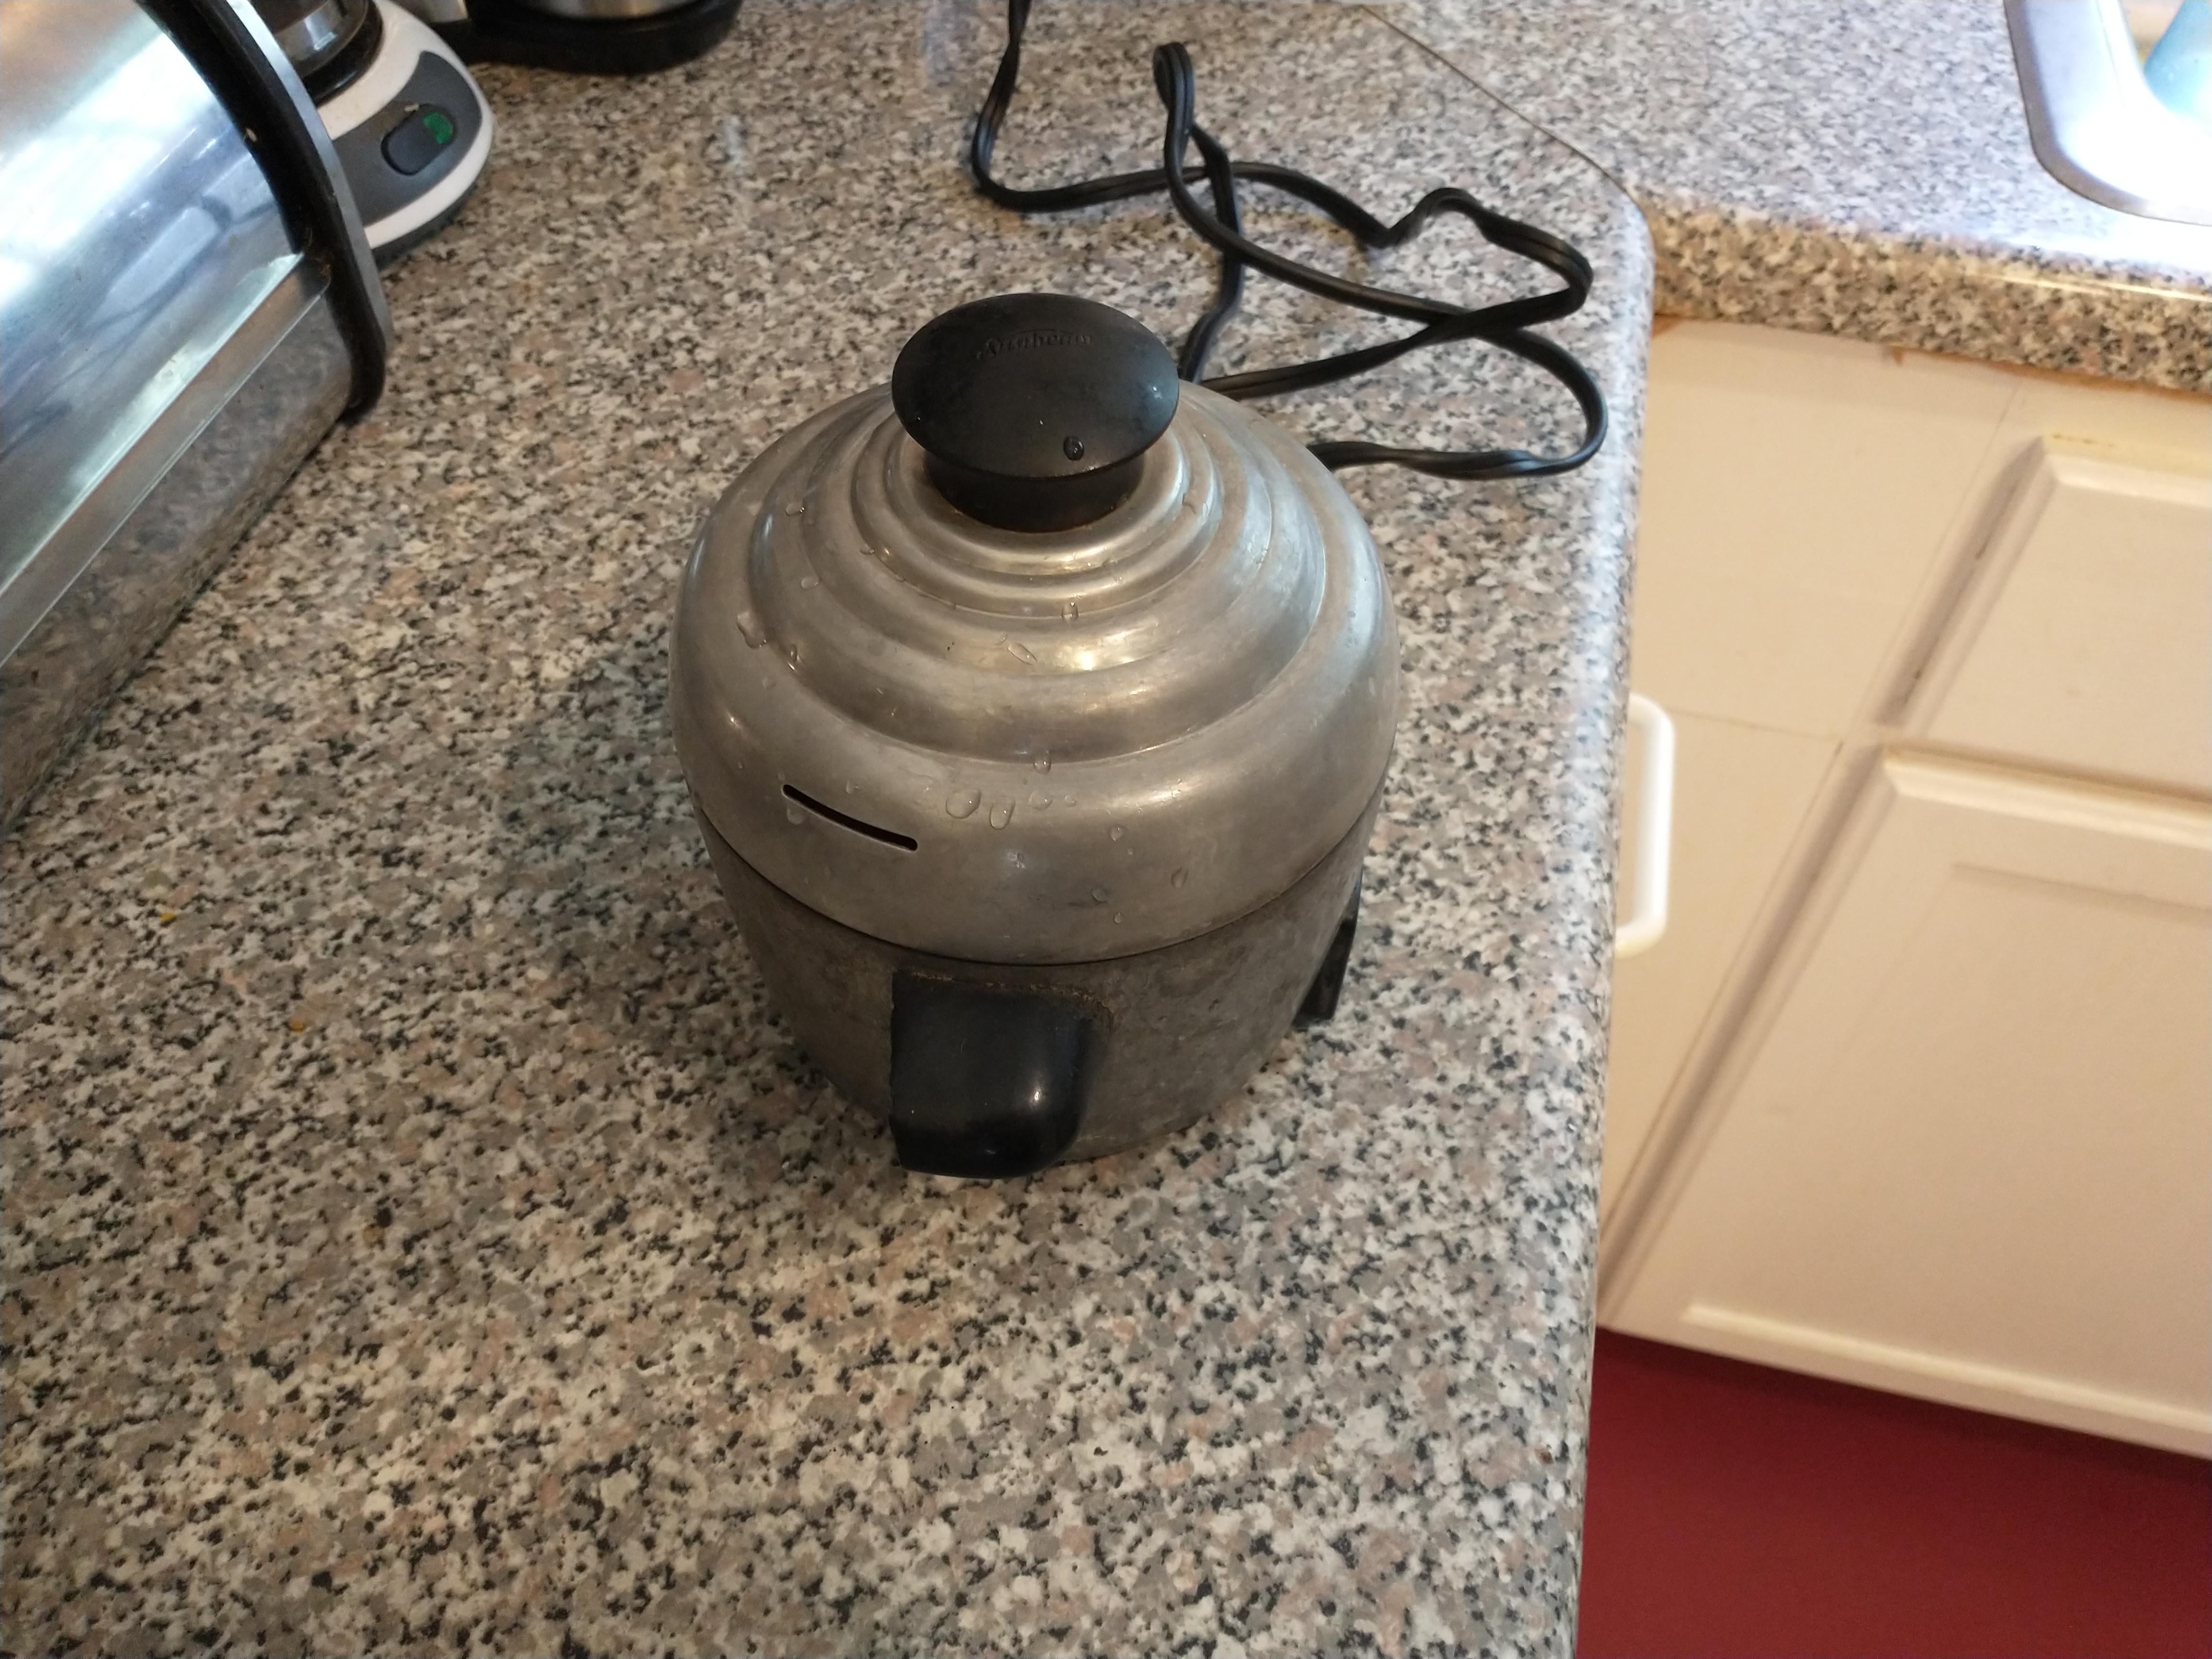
{"points": [[1838, 166], [421, 1235]]}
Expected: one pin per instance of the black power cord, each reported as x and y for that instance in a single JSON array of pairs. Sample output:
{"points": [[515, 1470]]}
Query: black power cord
{"points": [[1506, 325]]}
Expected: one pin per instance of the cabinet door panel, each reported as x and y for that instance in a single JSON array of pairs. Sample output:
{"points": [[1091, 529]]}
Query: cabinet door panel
{"points": [[1961, 1149], [2085, 639], [1798, 494], [1741, 796]]}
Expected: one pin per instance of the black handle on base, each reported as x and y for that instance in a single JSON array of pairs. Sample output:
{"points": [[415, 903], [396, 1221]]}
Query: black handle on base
{"points": [[985, 1084], [1320, 999]]}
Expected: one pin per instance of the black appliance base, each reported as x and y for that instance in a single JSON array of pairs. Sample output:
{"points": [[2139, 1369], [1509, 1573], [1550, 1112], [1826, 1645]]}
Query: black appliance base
{"points": [[500, 31]]}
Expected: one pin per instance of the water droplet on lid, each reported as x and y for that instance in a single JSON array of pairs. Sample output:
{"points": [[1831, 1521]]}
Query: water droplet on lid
{"points": [[810, 581], [794, 815], [1002, 814], [962, 803], [1040, 800], [1020, 650], [794, 506], [1098, 896], [1116, 833], [790, 655], [1043, 762], [851, 787], [1117, 918], [1071, 446], [1070, 611], [1179, 878]]}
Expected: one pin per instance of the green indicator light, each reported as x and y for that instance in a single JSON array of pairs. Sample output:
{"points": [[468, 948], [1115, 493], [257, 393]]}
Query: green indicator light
{"points": [[438, 125]]}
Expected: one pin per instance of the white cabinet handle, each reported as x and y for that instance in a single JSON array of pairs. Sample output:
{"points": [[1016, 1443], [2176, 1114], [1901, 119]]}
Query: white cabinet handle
{"points": [[1655, 828]]}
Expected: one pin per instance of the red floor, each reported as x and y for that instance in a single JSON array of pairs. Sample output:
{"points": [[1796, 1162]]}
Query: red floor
{"points": [[1736, 1510]]}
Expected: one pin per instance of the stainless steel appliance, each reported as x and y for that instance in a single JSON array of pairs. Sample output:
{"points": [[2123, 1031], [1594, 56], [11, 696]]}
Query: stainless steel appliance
{"points": [[186, 303], [587, 37], [329, 42], [1035, 710]]}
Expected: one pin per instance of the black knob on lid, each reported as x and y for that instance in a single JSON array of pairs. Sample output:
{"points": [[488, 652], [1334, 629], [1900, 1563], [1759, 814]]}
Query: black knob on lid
{"points": [[1036, 410]]}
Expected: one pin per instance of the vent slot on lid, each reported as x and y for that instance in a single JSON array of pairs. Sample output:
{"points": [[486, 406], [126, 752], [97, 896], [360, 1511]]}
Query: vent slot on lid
{"points": [[858, 827]]}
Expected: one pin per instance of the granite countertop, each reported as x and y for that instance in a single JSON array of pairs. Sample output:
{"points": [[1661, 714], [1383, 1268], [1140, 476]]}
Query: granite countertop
{"points": [[1838, 166], [422, 1236]]}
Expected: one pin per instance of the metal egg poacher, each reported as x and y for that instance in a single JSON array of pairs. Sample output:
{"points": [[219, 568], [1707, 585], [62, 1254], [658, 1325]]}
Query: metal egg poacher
{"points": [[1035, 709]]}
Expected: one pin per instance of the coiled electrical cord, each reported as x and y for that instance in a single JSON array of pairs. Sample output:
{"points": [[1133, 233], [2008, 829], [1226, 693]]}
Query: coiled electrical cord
{"points": [[1506, 325]]}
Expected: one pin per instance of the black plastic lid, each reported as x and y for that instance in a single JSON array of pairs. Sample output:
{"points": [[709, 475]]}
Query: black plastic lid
{"points": [[1036, 410]]}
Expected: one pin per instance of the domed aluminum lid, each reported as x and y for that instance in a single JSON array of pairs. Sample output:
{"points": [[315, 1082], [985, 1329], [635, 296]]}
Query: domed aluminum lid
{"points": [[1010, 745]]}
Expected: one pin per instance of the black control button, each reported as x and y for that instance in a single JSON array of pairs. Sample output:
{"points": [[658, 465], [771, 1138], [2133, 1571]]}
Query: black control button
{"points": [[420, 138]]}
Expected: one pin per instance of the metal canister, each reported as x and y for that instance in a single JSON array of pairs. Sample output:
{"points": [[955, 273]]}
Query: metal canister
{"points": [[1035, 709]]}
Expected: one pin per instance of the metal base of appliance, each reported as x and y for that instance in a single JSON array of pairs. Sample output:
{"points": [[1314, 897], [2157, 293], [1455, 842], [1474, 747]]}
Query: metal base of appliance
{"points": [[264, 402], [1185, 1026], [503, 32]]}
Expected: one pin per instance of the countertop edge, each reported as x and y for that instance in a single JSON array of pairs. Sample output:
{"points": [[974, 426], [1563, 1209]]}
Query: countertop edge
{"points": [[1913, 284]]}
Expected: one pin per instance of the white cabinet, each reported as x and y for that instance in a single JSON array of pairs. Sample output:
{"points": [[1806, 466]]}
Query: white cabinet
{"points": [[1797, 492], [1740, 794], [2082, 642], [1913, 1091], [1968, 1144]]}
